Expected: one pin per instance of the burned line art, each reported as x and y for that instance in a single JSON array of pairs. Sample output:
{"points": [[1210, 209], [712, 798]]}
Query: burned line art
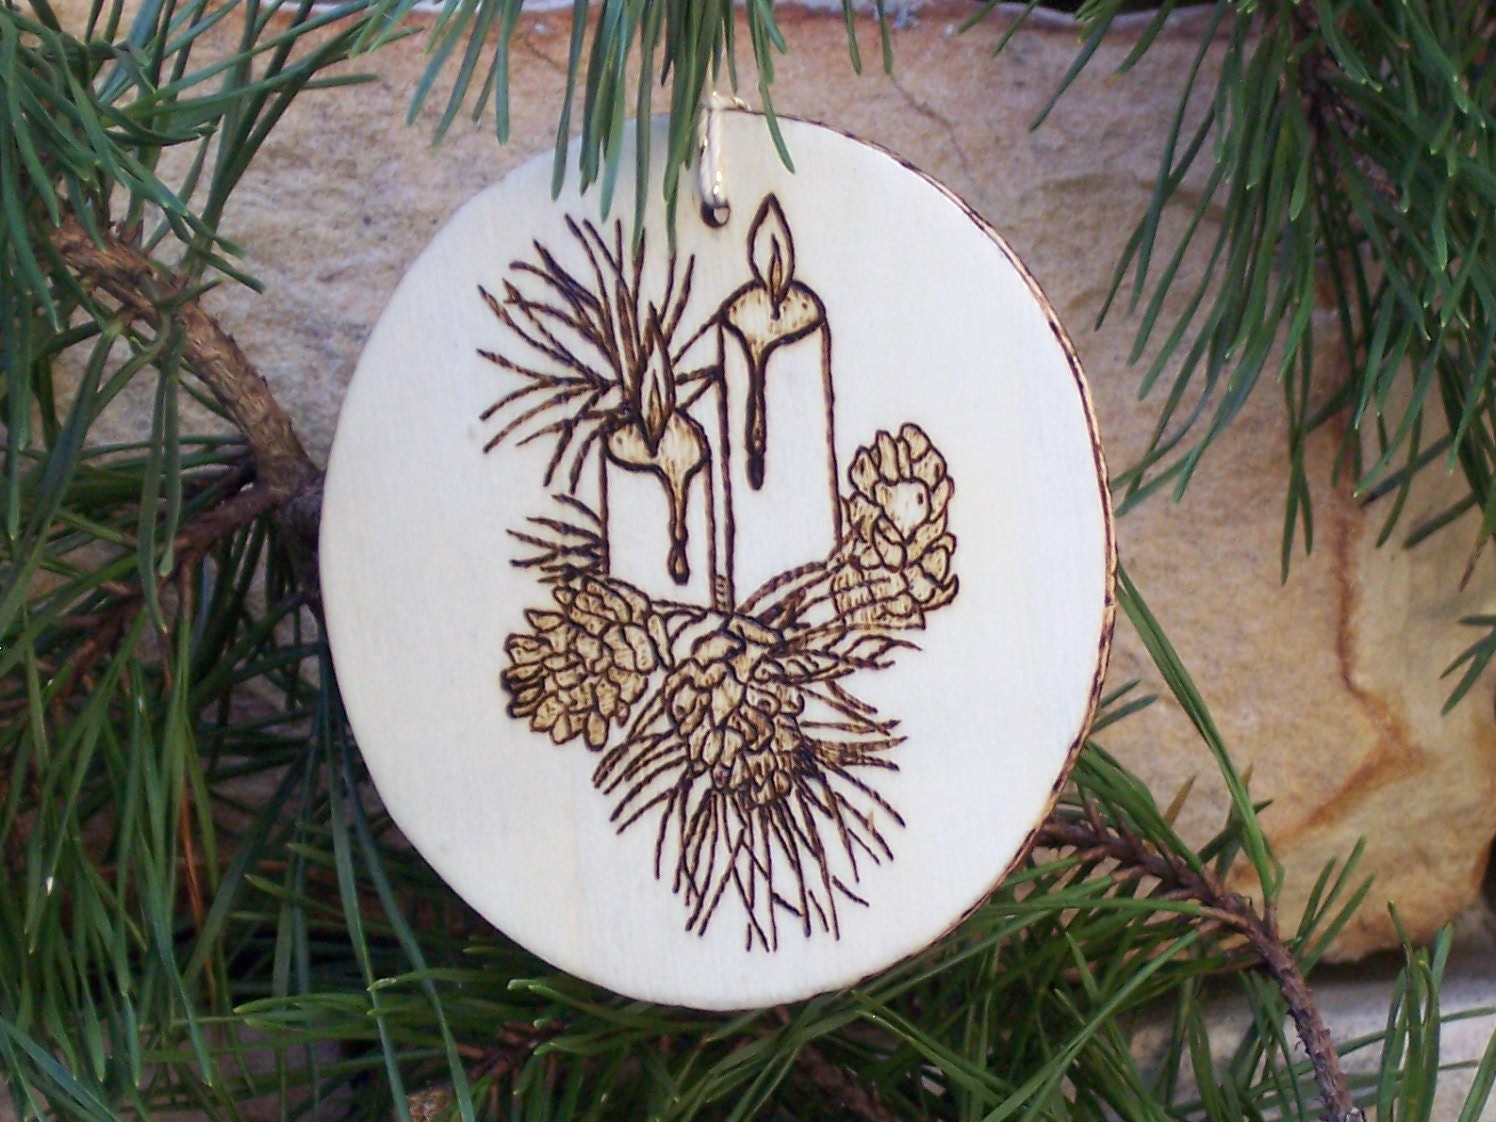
{"points": [[716, 583]]}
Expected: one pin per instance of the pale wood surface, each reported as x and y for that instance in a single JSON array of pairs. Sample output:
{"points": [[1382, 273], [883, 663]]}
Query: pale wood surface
{"points": [[961, 434]]}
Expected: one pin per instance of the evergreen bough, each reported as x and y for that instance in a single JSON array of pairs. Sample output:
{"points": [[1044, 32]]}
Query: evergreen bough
{"points": [[201, 903]]}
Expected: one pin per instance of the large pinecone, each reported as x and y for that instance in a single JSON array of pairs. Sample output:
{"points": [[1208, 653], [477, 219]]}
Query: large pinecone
{"points": [[735, 713], [582, 668]]}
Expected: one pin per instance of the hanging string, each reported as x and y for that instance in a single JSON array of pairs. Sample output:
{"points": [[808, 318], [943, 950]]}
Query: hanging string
{"points": [[710, 182]]}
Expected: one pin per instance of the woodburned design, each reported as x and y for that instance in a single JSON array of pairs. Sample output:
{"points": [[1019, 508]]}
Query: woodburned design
{"points": [[715, 585]]}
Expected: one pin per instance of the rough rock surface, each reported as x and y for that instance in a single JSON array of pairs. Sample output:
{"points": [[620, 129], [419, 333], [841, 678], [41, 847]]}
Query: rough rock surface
{"points": [[1327, 688]]}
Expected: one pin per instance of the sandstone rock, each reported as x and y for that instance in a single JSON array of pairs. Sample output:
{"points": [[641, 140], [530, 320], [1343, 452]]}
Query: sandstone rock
{"points": [[1327, 688]]}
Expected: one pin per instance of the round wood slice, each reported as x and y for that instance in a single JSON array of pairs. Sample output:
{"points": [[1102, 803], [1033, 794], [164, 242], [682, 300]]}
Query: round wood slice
{"points": [[720, 620]]}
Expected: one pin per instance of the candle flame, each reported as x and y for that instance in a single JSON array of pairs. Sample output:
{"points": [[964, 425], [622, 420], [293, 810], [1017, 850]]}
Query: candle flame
{"points": [[771, 251], [657, 393]]}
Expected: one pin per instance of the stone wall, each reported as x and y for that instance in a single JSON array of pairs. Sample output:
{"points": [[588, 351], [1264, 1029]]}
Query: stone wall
{"points": [[1326, 688]]}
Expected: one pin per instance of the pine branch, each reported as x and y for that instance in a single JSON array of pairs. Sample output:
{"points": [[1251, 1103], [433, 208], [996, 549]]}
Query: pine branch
{"points": [[140, 287], [287, 483], [1088, 835], [841, 1087], [515, 1043], [189, 547], [1327, 111], [975, 1068]]}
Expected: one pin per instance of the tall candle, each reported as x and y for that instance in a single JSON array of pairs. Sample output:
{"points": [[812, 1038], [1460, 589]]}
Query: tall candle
{"points": [[779, 463]]}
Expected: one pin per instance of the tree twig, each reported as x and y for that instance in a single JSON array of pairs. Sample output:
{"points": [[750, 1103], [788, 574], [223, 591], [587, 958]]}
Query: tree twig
{"points": [[1089, 834], [512, 1046], [841, 1087], [287, 483], [145, 291], [1328, 111], [190, 546], [515, 1042]]}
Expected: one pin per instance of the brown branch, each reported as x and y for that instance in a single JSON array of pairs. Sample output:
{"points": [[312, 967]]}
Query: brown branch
{"points": [[287, 483], [1088, 835], [513, 1045], [190, 546], [148, 293], [1326, 109], [840, 1087]]}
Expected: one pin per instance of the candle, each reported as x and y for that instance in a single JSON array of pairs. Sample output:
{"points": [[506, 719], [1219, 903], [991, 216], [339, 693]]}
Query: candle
{"points": [[778, 466], [658, 510]]}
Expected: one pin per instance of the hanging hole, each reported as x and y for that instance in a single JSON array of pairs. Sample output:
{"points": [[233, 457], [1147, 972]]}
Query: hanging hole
{"points": [[715, 215]]}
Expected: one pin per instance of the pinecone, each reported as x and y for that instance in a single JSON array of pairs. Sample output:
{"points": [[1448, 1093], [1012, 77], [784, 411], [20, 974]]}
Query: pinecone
{"points": [[898, 548], [582, 668], [735, 713]]}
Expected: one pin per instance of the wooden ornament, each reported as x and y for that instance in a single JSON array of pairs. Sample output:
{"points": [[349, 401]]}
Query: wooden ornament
{"points": [[720, 619]]}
